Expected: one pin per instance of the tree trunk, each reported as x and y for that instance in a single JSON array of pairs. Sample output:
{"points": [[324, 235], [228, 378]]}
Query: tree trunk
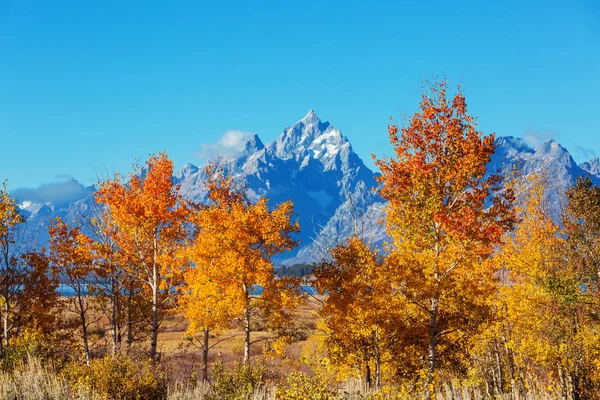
{"points": [[81, 307], [114, 316], [377, 361], [575, 387], [84, 332], [499, 369], [247, 334], [5, 337], [494, 379], [511, 364], [154, 335], [367, 373], [563, 384], [432, 347], [205, 356], [155, 284], [246, 324], [129, 322]]}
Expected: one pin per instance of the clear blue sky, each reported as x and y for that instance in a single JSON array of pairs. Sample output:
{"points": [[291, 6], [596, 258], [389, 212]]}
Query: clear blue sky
{"points": [[92, 85]]}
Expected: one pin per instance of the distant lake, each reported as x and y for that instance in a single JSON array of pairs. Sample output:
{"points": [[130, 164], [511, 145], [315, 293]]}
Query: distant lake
{"points": [[68, 291]]}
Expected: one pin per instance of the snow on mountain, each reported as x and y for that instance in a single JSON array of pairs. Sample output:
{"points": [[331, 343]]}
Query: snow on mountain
{"points": [[313, 164], [550, 160], [510, 152], [69, 200], [592, 166]]}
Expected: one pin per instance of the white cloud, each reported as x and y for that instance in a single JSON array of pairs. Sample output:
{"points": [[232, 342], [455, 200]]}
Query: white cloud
{"points": [[536, 138], [230, 144], [58, 193], [584, 153]]}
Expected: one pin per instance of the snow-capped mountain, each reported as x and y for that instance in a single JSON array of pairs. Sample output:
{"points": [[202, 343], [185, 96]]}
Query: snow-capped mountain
{"points": [[313, 164], [550, 160], [310, 163], [70, 200], [592, 166]]}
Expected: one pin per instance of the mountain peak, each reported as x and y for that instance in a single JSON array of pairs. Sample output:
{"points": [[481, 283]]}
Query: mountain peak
{"points": [[310, 117], [592, 166], [253, 144], [551, 146], [186, 170]]}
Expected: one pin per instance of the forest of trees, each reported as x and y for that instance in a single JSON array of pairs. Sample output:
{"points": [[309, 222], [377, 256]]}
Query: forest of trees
{"points": [[479, 287]]}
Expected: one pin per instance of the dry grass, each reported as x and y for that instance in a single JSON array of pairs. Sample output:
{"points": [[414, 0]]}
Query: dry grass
{"points": [[32, 381]]}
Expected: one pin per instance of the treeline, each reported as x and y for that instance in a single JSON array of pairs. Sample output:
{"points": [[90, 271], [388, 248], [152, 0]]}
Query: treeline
{"points": [[478, 285], [148, 253], [298, 270]]}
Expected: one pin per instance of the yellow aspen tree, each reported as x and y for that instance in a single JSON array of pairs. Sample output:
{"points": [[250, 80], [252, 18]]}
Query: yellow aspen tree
{"points": [[207, 306], [232, 266], [527, 259], [582, 254], [546, 323], [359, 311]]}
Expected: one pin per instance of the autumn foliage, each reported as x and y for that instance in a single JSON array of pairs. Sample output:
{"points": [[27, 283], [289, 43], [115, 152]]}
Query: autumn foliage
{"points": [[151, 218], [231, 254], [446, 216], [479, 292]]}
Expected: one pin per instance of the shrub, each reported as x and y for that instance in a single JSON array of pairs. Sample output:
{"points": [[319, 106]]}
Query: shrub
{"points": [[303, 386], [239, 383], [118, 378], [32, 343]]}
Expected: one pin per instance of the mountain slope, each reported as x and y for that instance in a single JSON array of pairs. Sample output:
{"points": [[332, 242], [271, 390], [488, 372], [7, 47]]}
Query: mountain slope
{"points": [[310, 163], [313, 164]]}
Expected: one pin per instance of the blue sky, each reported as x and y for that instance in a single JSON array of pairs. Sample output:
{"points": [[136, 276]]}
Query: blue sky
{"points": [[92, 86]]}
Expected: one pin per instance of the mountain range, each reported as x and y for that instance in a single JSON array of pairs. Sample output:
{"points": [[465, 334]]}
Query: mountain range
{"points": [[313, 164]]}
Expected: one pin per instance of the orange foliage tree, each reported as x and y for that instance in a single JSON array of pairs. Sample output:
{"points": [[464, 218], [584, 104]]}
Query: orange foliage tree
{"points": [[28, 296], [150, 215], [117, 292], [232, 256], [445, 217], [72, 256]]}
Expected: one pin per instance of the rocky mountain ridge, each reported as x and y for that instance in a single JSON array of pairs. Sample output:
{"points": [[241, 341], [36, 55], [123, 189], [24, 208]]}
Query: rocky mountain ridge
{"points": [[313, 164]]}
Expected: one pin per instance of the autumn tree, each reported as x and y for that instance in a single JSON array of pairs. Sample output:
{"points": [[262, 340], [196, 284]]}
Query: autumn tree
{"points": [[72, 255], [362, 317], [544, 329], [116, 291], [205, 303], [38, 300], [208, 308], [524, 332], [232, 279], [445, 217], [582, 226], [28, 296], [150, 215], [582, 255], [10, 220]]}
